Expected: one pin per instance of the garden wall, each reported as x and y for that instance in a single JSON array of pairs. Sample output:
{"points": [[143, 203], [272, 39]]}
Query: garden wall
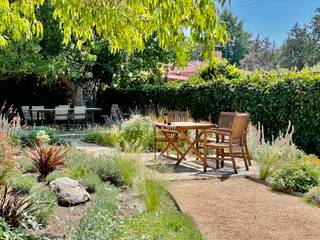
{"points": [[271, 103]]}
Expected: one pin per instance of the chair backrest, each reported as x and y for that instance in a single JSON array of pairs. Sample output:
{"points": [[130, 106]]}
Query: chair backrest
{"points": [[34, 114], [240, 125], [177, 116], [25, 112], [226, 119], [61, 113], [64, 106], [80, 112]]}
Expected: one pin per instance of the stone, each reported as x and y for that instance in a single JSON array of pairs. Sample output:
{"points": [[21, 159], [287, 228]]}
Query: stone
{"points": [[69, 192]]}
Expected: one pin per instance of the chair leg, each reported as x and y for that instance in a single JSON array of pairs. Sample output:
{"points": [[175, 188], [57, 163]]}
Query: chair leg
{"points": [[205, 161], [244, 155], [233, 161], [222, 157], [247, 153], [217, 155]]}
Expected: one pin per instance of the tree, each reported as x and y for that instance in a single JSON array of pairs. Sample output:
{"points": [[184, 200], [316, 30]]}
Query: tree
{"points": [[238, 44], [123, 24], [299, 50], [262, 55]]}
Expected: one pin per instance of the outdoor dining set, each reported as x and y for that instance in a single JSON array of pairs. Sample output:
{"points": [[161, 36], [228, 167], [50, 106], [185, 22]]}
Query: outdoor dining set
{"points": [[224, 141], [61, 113]]}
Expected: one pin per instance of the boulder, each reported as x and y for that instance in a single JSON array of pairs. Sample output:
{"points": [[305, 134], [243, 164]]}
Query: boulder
{"points": [[69, 191]]}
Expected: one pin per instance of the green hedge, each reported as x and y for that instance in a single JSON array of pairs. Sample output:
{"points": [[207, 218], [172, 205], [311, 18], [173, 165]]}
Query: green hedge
{"points": [[273, 103]]}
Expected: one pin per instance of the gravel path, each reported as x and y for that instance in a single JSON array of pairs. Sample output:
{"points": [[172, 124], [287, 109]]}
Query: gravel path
{"points": [[238, 208]]}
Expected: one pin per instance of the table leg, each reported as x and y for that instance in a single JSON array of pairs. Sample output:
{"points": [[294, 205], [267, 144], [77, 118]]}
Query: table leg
{"points": [[191, 145], [42, 118], [92, 119]]}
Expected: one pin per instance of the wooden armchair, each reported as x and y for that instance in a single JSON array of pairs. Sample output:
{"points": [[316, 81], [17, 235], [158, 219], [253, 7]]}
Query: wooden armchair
{"points": [[228, 139]]}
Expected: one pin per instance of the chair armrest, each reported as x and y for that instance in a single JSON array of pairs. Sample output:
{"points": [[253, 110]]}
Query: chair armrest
{"points": [[228, 130], [220, 132]]}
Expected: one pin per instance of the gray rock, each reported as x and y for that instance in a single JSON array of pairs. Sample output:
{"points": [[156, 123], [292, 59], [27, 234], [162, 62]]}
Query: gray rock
{"points": [[69, 191]]}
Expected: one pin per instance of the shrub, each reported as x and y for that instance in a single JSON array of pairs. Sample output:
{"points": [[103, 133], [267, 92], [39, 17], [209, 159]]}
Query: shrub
{"points": [[14, 207], [153, 192], [275, 154], [298, 177], [9, 233], [103, 165], [46, 134], [47, 158], [26, 165], [90, 181], [312, 160], [76, 172], [7, 163], [54, 175], [313, 196], [99, 219], [110, 137], [138, 129], [165, 224], [23, 183], [46, 204]]}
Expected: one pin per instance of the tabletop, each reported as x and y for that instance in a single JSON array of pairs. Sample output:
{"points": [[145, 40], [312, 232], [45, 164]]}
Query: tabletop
{"points": [[69, 109], [185, 125]]}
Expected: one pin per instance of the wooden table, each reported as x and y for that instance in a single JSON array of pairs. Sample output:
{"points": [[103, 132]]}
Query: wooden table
{"points": [[41, 112], [183, 128]]}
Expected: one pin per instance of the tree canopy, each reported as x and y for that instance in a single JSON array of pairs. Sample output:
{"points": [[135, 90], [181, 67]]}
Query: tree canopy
{"points": [[123, 24], [238, 44]]}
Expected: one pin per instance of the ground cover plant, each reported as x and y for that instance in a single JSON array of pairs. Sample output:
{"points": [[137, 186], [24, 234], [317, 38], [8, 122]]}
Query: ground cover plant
{"points": [[44, 134], [136, 130]]}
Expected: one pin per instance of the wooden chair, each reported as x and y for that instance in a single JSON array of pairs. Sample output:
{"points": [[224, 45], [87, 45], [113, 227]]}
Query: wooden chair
{"points": [[176, 116], [168, 135], [229, 139]]}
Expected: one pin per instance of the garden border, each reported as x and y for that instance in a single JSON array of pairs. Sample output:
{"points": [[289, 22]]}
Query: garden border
{"points": [[256, 179]]}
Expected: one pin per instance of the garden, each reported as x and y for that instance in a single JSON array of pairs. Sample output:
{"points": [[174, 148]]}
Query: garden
{"points": [[113, 196]]}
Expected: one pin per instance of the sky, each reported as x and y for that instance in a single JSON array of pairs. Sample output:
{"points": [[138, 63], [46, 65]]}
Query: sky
{"points": [[273, 18]]}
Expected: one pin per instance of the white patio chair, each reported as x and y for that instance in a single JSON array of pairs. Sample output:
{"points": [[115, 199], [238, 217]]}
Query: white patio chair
{"points": [[80, 115], [61, 114], [35, 116]]}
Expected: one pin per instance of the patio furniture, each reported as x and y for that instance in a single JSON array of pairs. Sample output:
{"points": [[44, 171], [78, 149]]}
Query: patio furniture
{"points": [[170, 136], [228, 139], [182, 128], [61, 114], [35, 114], [80, 115], [26, 113]]}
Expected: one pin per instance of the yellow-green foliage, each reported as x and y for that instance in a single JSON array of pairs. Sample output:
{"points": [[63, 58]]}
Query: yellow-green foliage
{"points": [[7, 162]]}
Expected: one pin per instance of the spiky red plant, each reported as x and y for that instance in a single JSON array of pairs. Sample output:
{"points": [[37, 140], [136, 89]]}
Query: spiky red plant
{"points": [[14, 207], [47, 158]]}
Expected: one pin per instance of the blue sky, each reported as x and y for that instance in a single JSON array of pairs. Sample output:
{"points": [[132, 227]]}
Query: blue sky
{"points": [[273, 18]]}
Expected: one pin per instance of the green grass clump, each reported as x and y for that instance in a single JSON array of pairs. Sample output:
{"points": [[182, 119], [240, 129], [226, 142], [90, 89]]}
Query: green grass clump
{"points": [[110, 137], [23, 183], [153, 192], [47, 204], [165, 224], [298, 177], [90, 181], [26, 165], [100, 218], [54, 175], [128, 166], [103, 165]]}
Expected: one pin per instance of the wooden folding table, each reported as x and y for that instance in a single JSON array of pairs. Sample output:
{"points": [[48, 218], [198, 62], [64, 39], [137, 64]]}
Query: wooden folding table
{"points": [[183, 128]]}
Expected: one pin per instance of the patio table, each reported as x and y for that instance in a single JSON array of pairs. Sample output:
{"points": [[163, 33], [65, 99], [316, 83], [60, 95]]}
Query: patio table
{"points": [[183, 128], [90, 110]]}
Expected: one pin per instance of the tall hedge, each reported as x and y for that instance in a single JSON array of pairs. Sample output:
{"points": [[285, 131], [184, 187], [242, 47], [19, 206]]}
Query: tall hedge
{"points": [[273, 103]]}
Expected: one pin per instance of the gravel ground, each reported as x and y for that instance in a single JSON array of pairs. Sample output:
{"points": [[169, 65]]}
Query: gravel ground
{"points": [[237, 208]]}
